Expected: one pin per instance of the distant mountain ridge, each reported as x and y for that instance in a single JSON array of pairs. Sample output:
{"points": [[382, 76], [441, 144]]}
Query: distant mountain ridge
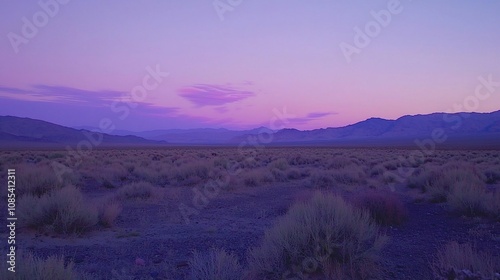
{"points": [[457, 127], [18, 132], [471, 128], [188, 136], [462, 126]]}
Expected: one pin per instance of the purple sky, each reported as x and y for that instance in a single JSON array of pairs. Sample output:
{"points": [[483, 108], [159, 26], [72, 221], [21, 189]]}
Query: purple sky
{"points": [[237, 67]]}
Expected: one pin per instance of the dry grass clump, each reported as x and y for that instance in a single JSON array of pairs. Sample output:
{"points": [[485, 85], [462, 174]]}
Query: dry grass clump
{"points": [[279, 175], [192, 172], [156, 173], [256, 177], [385, 207], [137, 190], [340, 162], [460, 185], [296, 173], [321, 179], [344, 176], [108, 176], [62, 211], [459, 261], [392, 164], [322, 237], [492, 205], [37, 180], [217, 264], [474, 200], [280, 164], [349, 176], [468, 199], [377, 169], [30, 267], [437, 182], [109, 212], [492, 175], [296, 160]]}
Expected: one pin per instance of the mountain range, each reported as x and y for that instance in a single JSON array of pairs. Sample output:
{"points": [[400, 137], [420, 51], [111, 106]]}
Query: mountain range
{"points": [[16, 132], [459, 129]]}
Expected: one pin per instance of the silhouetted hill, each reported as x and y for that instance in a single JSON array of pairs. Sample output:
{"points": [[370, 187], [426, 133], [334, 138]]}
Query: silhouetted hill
{"points": [[187, 136], [467, 128], [18, 132]]}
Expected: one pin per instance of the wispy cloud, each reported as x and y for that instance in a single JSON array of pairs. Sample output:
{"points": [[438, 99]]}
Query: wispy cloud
{"points": [[310, 117], [221, 109], [79, 97], [60, 94], [213, 95]]}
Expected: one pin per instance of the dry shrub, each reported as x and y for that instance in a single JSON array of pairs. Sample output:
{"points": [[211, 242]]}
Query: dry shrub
{"points": [[51, 268], [137, 190], [468, 199], [280, 164], [37, 180], [62, 211], [378, 169], [321, 179], [456, 260], [492, 175], [217, 264], [158, 174], [322, 237], [340, 162], [473, 200], [350, 175], [492, 205], [109, 212], [192, 172], [389, 177], [295, 173], [256, 177], [300, 160], [392, 164], [108, 176], [438, 181], [279, 175], [385, 207]]}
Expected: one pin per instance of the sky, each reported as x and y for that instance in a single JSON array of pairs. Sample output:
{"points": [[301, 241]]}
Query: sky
{"points": [[241, 64]]}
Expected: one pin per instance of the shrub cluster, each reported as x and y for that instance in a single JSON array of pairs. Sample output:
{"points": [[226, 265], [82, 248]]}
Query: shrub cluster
{"points": [[385, 207], [323, 236], [462, 261]]}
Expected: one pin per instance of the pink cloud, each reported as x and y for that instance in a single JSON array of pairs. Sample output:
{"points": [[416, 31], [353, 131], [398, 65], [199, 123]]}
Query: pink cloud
{"points": [[213, 95], [310, 117]]}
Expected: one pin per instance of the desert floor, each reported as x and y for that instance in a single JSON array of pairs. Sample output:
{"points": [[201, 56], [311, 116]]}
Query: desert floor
{"points": [[186, 199]]}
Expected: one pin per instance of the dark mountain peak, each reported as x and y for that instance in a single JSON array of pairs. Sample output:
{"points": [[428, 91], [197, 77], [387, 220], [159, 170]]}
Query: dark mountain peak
{"points": [[34, 132]]}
